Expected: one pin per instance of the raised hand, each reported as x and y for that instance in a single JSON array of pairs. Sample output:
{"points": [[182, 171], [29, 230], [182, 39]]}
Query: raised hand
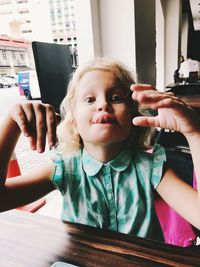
{"points": [[173, 113], [36, 121]]}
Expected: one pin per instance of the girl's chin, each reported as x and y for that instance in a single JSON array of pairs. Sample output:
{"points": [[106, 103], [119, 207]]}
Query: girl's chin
{"points": [[105, 136], [108, 140]]}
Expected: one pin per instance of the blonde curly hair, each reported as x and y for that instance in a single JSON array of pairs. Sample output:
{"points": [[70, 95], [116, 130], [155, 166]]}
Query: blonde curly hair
{"points": [[69, 140]]}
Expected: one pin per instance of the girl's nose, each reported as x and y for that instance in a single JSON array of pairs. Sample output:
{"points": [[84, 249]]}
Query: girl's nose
{"points": [[103, 104]]}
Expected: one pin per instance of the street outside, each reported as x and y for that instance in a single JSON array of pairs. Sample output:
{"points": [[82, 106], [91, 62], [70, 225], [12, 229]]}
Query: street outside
{"points": [[27, 159]]}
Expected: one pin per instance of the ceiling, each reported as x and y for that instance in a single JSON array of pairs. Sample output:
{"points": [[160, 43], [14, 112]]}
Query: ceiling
{"points": [[195, 12]]}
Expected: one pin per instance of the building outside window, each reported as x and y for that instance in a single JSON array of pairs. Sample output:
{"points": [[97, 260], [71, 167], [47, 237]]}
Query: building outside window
{"points": [[20, 12]]}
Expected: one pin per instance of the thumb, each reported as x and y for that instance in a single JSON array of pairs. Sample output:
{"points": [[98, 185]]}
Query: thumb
{"points": [[145, 121]]}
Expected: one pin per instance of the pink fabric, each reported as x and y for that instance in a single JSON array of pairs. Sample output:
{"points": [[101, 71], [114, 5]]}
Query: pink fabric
{"points": [[194, 181], [176, 230]]}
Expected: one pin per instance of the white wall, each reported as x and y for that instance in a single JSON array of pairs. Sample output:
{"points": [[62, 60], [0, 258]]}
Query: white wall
{"points": [[114, 32], [173, 10], [118, 30], [160, 47], [113, 28], [106, 28], [87, 29]]}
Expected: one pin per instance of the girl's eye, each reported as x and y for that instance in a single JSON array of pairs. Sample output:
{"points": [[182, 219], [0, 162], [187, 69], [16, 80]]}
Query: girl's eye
{"points": [[90, 100], [116, 99]]}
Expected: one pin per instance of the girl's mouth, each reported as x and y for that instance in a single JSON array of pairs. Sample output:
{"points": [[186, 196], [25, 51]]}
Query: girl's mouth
{"points": [[104, 119]]}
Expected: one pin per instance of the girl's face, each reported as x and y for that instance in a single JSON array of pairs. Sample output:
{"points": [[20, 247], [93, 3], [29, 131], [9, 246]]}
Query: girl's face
{"points": [[102, 109]]}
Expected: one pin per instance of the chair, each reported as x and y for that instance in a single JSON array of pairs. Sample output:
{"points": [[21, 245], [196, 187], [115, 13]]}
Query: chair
{"points": [[13, 171], [54, 67]]}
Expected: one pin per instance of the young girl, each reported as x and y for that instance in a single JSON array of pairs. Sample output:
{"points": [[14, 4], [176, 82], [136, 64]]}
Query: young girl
{"points": [[101, 163]]}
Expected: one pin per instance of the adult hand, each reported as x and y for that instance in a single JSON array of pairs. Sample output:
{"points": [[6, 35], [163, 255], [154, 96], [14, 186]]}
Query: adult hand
{"points": [[36, 121]]}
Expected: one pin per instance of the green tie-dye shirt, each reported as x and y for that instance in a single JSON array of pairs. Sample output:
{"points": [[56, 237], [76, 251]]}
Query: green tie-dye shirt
{"points": [[117, 195]]}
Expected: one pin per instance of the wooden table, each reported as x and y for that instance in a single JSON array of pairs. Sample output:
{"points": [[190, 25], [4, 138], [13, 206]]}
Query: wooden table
{"points": [[31, 240]]}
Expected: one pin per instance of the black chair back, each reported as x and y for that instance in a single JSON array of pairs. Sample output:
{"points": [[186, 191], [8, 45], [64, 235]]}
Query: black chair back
{"points": [[54, 67]]}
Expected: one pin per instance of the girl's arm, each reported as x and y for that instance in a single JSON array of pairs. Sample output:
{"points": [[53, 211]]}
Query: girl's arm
{"points": [[34, 120], [24, 189], [194, 144], [180, 196], [9, 135], [175, 115]]}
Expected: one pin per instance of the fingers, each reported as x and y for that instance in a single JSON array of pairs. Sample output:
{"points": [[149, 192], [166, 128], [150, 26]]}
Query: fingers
{"points": [[140, 92], [23, 120], [168, 102], [36, 121], [146, 121], [149, 97], [172, 112], [141, 87], [41, 127], [52, 121], [45, 119]]}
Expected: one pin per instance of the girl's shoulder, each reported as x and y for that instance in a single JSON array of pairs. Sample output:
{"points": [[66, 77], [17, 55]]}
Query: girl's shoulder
{"points": [[149, 164], [57, 157], [153, 154], [65, 166]]}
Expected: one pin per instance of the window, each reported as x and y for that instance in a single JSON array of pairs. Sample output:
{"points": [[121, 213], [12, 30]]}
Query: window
{"points": [[21, 56], [23, 12], [52, 16], [4, 55], [22, 1], [14, 55], [26, 31]]}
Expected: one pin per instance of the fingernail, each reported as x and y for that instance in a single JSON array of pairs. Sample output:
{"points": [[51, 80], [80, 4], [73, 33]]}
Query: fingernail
{"points": [[33, 147], [39, 150], [51, 144]]}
